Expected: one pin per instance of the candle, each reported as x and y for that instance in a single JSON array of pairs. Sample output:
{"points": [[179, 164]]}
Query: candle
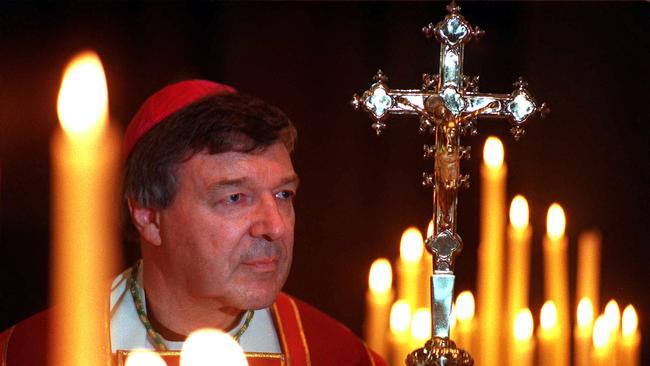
{"points": [[209, 347], [409, 266], [426, 270], [603, 350], [85, 156], [144, 357], [490, 253], [465, 323], [583, 332], [453, 319], [420, 328], [519, 234], [523, 348], [588, 274], [378, 298], [612, 316], [556, 278], [628, 352], [400, 321], [549, 337]]}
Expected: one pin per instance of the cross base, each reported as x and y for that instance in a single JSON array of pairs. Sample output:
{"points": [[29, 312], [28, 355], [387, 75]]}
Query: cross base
{"points": [[439, 352]]}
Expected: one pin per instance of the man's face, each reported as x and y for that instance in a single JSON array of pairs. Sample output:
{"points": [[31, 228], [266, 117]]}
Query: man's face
{"points": [[228, 234]]}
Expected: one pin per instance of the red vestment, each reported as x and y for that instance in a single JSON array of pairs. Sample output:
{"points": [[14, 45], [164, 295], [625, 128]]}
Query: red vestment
{"points": [[307, 337]]}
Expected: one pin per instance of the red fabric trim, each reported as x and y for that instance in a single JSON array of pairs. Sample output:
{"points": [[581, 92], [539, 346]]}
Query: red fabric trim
{"points": [[331, 343], [4, 342], [290, 331], [28, 343]]}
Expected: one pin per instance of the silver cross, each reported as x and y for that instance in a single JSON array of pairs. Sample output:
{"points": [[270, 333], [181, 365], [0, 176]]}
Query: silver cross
{"points": [[448, 105]]}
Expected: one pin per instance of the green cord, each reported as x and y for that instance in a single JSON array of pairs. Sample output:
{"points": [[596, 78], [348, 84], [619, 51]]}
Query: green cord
{"points": [[155, 337]]}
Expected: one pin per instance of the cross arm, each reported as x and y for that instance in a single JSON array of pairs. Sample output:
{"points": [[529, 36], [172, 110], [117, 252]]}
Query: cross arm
{"points": [[380, 101]]}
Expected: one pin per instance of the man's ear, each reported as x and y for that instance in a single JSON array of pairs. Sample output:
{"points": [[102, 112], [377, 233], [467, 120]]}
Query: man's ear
{"points": [[146, 220]]}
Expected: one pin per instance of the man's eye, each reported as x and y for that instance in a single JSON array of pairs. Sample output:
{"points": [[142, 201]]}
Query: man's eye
{"points": [[285, 195], [234, 198]]}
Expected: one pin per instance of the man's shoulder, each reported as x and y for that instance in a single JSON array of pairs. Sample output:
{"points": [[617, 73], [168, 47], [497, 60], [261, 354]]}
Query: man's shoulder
{"points": [[26, 342], [329, 342]]}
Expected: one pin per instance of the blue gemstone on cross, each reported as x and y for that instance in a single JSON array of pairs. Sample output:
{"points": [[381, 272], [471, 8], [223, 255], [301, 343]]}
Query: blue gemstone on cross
{"points": [[454, 30], [521, 106], [379, 102]]}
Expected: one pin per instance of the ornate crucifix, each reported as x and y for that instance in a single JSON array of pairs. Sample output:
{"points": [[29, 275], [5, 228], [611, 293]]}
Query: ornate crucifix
{"points": [[448, 105]]}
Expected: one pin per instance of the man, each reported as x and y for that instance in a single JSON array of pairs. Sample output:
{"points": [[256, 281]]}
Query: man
{"points": [[209, 185]]}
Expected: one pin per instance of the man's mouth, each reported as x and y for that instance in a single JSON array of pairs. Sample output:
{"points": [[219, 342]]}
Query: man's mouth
{"points": [[262, 264]]}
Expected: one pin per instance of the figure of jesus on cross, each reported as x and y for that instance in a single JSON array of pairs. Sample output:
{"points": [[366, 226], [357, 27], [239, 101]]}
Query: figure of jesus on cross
{"points": [[448, 105]]}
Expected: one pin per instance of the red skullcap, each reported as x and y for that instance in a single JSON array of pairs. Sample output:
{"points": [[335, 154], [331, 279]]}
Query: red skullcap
{"points": [[165, 102]]}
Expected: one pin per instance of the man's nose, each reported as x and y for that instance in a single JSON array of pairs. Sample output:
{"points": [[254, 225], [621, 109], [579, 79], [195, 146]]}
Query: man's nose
{"points": [[269, 222]]}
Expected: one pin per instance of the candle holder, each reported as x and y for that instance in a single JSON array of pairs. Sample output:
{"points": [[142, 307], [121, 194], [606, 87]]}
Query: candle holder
{"points": [[448, 105]]}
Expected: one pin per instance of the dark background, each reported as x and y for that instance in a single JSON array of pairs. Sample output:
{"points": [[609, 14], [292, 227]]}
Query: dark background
{"points": [[589, 61]]}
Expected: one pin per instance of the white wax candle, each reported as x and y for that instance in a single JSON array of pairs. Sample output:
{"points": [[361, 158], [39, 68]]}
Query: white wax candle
{"points": [[556, 277], [523, 347], [582, 333], [519, 234], [549, 337], [466, 322], [588, 273], [630, 344], [85, 156], [490, 254], [379, 299], [409, 266], [400, 322]]}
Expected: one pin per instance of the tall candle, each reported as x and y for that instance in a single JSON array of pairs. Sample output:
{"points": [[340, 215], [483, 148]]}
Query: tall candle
{"points": [[612, 316], [523, 347], [426, 270], [465, 322], [603, 352], [519, 234], [556, 277], [582, 333], [588, 274], [409, 266], [420, 328], [490, 253], [549, 337], [85, 156], [400, 321], [378, 299], [630, 344]]}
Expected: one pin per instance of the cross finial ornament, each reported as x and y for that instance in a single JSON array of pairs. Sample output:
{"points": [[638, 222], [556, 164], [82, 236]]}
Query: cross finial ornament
{"points": [[448, 105]]}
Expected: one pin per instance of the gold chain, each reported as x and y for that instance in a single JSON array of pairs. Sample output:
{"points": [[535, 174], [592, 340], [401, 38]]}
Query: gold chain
{"points": [[153, 335]]}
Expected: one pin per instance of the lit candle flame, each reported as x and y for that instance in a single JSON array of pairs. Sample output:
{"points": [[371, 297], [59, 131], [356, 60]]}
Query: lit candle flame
{"points": [[519, 212], [613, 315], [211, 347], [400, 317], [630, 321], [143, 357], [430, 229], [493, 153], [421, 325], [548, 315], [453, 317], [82, 105], [555, 221], [380, 279], [465, 306], [585, 313], [602, 333], [523, 325], [412, 245]]}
